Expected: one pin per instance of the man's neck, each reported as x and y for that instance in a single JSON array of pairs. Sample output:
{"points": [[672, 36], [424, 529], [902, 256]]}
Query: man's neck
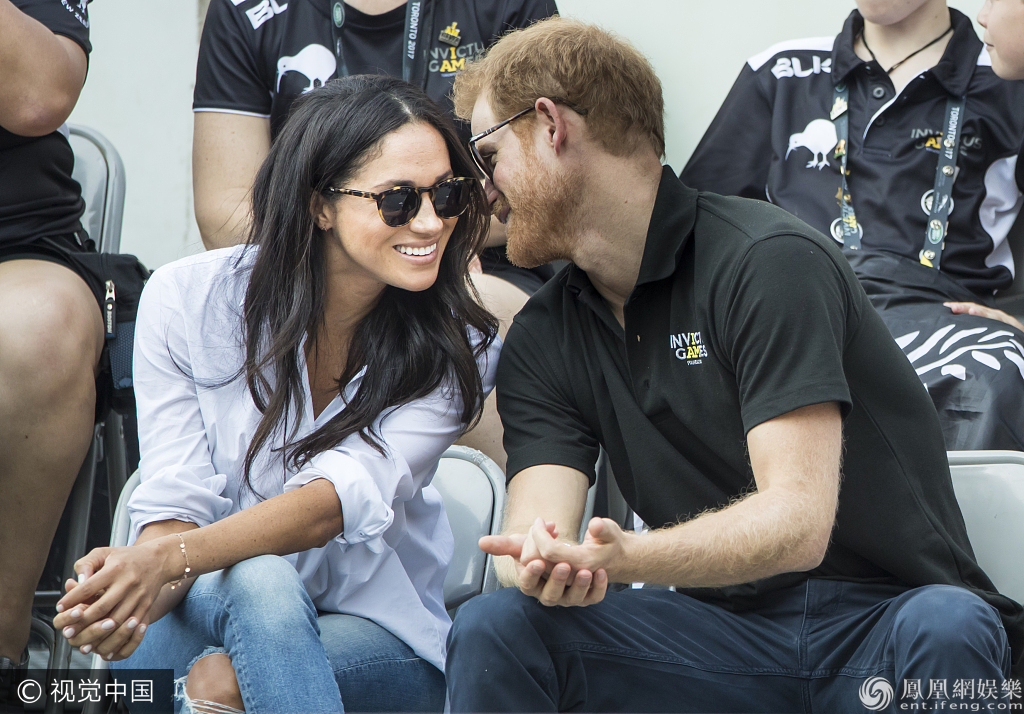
{"points": [[893, 43], [621, 192], [374, 7]]}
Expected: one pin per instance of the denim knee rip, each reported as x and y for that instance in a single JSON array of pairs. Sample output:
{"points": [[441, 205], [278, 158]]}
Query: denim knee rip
{"points": [[200, 706]]}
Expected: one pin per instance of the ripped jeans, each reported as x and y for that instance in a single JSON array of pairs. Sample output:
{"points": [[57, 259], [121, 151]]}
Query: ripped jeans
{"points": [[286, 656]]}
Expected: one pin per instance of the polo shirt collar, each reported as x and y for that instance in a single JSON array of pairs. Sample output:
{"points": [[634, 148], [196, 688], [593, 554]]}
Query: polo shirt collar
{"points": [[952, 72], [675, 212]]}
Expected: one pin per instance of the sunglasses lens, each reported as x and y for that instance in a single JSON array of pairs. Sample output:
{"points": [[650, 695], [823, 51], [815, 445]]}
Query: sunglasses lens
{"points": [[452, 198], [399, 205]]}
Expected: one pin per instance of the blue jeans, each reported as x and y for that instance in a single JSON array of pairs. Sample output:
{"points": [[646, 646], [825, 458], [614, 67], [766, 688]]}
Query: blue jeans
{"points": [[286, 656], [807, 648]]}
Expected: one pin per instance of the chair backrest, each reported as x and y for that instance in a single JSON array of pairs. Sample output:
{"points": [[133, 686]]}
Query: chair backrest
{"points": [[473, 489], [121, 522], [989, 487], [100, 173]]}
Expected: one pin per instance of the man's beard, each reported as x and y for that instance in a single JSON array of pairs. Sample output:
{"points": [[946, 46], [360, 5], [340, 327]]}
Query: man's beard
{"points": [[544, 222]]}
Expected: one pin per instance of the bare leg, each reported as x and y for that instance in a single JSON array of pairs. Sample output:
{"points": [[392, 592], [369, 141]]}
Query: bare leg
{"points": [[51, 337], [212, 680], [504, 300]]}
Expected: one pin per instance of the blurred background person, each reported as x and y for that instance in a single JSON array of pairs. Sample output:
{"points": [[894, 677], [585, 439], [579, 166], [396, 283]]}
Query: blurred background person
{"points": [[51, 332], [905, 100]]}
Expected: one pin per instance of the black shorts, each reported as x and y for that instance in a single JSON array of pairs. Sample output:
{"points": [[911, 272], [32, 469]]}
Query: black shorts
{"points": [[63, 250]]}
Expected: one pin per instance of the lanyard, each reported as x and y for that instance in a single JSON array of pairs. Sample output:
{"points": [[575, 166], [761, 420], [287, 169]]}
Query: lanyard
{"points": [[416, 19], [945, 174]]}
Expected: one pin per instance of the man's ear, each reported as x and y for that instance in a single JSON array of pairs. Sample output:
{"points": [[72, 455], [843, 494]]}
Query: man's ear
{"points": [[320, 209], [552, 118]]}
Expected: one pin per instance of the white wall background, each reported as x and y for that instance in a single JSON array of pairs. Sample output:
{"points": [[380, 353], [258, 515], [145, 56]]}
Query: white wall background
{"points": [[139, 90]]}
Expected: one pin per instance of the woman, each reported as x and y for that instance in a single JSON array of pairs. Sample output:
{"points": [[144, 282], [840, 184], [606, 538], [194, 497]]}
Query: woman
{"points": [[364, 356]]}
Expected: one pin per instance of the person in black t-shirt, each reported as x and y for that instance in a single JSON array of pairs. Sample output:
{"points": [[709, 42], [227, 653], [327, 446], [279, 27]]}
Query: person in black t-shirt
{"points": [[257, 56], [882, 101], [51, 333], [1003, 21], [727, 359]]}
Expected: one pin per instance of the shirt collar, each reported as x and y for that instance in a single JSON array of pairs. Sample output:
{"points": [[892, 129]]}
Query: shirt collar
{"points": [[675, 212], [952, 72]]}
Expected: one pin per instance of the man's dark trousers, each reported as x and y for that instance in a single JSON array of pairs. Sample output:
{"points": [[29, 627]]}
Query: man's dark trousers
{"points": [[806, 648]]}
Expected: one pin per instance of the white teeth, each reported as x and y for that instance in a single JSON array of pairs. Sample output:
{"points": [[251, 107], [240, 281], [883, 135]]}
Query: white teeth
{"points": [[405, 250]]}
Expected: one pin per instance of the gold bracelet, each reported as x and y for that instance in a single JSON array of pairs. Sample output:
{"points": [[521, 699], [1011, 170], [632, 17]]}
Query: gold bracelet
{"points": [[188, 569]]}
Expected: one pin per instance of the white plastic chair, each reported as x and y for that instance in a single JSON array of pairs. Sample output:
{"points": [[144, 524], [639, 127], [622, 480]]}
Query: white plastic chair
{"points": [[989, 487], [100, 173], [473, 489]]}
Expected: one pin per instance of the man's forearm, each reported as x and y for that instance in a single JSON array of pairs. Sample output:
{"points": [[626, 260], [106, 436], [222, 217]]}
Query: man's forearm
{"points": [[505, 569], [763, 535]]}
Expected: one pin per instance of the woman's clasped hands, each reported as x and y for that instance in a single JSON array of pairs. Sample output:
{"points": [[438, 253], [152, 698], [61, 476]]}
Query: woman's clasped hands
{"points": [[107, 610]]}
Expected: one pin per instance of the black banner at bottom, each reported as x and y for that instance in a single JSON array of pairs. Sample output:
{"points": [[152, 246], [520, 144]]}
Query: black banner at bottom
{"points": [[138, 690]]}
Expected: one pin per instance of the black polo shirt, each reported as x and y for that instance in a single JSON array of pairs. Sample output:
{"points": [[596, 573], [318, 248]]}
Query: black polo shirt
{"points": [[257, 56], [741, 313], [773, 139]]}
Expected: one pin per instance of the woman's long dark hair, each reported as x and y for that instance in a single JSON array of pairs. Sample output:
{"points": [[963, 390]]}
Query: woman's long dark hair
{"points": [[411, 343]]}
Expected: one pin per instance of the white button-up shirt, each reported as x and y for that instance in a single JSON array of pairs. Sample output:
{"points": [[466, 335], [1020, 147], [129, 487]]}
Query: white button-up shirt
{"points": [[390, 562]]}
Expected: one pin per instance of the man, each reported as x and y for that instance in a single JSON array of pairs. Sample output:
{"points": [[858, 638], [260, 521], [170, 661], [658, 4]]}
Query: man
{"points": [[904, 101], [51, 331], [257, 56], [726, 358]]}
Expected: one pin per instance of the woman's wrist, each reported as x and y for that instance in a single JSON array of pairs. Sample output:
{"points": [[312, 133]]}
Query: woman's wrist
{"points": [[167, 552]]}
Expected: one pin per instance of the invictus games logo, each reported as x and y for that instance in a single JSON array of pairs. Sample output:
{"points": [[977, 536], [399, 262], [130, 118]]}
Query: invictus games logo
{"points": [[688, 346], [876, 693]]}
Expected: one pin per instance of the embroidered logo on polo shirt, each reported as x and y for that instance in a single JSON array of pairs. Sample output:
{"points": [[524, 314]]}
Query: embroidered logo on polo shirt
{"points": [[792, 67], [688, 347], [451, 59], [820, 137], [931, 140], [78, 10], [258, 14], [315, 62]]}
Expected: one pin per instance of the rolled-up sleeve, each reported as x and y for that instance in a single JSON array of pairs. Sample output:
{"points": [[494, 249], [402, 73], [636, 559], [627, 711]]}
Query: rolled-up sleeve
{"points": [[179, 481]]}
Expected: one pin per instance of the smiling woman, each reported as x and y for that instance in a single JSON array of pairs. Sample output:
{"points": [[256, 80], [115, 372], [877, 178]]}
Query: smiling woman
{"points": [[295, 395]]}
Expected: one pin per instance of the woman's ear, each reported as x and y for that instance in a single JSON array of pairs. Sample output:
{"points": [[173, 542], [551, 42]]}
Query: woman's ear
{"points": [[322, 212]]}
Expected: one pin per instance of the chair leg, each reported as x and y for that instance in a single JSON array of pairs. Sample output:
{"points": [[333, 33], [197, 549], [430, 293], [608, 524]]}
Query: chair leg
{"points": [[78, 530], [115, 458]]}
